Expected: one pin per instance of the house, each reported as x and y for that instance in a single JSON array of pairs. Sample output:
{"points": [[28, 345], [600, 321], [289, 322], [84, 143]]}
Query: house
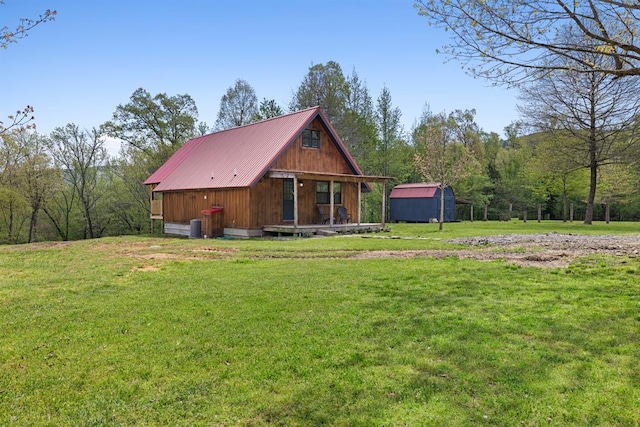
{"points": [[420, 202], [275, 175]]}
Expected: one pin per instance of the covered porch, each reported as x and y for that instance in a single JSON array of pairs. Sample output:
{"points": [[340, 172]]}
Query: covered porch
{"points": [[328, 219]]}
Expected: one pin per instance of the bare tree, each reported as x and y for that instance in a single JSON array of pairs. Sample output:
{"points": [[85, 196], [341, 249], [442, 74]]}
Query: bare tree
{"points": [[82, 156], [504, 40], [597, 110]]}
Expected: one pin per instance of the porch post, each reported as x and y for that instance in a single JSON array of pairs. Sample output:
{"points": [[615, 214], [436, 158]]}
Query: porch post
{"points": [[359, 184], [295, 201], [153, 221], [384, 202], [331, 207]]}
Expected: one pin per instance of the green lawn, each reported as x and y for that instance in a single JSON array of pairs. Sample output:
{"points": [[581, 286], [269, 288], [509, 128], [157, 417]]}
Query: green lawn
{"points": [[159, 331]]}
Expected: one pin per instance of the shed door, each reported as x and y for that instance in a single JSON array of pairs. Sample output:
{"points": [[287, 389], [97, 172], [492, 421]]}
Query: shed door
{"points": [[287, 199]]}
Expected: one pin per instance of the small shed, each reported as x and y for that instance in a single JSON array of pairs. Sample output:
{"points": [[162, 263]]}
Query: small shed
{"points": [[420, 202]]}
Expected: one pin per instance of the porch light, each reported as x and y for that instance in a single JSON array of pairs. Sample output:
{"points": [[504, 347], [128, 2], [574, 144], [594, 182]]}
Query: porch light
{"points": [[301, 183]]}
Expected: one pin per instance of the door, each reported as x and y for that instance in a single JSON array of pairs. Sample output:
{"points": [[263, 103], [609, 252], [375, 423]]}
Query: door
{"points": [[287, 199]]}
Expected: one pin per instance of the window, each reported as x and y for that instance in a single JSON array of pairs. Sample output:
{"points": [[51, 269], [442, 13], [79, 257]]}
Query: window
{"points": [[322, 193], [337, 193], [311, 138]]}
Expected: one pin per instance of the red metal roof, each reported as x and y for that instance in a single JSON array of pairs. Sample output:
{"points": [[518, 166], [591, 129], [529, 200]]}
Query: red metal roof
{"points": [[414, 191], [237, 157]]}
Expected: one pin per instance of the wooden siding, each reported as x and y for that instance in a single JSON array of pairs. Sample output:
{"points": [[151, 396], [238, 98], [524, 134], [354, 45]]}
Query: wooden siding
{"points": [[245, 208], [182, 206], [326, 159], [266, 202], [263, 204]]}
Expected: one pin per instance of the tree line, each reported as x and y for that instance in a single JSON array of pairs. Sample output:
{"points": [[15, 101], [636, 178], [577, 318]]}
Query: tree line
{"points": [[65, 186], [573, 155]]}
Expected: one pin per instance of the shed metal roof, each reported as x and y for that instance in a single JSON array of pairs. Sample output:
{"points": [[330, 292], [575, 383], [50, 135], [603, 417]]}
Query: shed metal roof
{"points": [[237, 157], [414, 191]]}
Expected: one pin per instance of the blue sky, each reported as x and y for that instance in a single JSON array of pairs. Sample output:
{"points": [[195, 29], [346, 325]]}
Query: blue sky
{"points": [[78, 68]]}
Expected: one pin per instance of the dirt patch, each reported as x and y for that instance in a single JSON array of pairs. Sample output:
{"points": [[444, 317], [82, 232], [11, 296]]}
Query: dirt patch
{"points": [[535, 250]]}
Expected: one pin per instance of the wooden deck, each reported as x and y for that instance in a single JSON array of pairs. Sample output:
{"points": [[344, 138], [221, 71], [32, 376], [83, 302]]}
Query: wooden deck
{"points": [[326, 229]]}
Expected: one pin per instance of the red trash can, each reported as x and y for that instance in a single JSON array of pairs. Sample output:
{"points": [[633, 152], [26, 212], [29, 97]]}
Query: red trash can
{"points": [[212, 224]]}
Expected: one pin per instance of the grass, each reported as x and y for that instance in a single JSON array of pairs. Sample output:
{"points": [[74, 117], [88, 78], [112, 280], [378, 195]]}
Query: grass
{"points": [[484, 228], [148, 331]]}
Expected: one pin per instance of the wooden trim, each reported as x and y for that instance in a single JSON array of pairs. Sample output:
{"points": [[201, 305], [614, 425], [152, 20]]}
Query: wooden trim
{"points": [[359, 203], [295, 201], [279, 173]]}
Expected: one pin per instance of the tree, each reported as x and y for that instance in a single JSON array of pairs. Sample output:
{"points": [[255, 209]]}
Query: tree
{"points": [[511, 189], [358, 126], [39, 175], [20, 121], [598, 110], [617, 183], [238, 106], [13, 206], [552, 170], [156, 125], [389, 131], [505, 40], [326, 86], [12, 35], [82, 157], [27, 177], [151, 129], [268, 108], [60, 206], [358, 132], [443, 160]]}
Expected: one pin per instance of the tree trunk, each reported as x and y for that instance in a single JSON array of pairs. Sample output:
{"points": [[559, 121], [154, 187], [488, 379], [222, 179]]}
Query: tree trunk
{"points": [[588, 216], [593, 167], [607, 213], [524, 215], [564, 206], [485, 216], [32, 225], [571, 213], [539, 213], [441, 224], [510, 211], [471, 214]]}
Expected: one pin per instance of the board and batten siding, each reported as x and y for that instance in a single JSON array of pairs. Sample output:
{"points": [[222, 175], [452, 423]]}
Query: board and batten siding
{"points": [[263, 203], [267, 201], [326, 159], [180, 207]]}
